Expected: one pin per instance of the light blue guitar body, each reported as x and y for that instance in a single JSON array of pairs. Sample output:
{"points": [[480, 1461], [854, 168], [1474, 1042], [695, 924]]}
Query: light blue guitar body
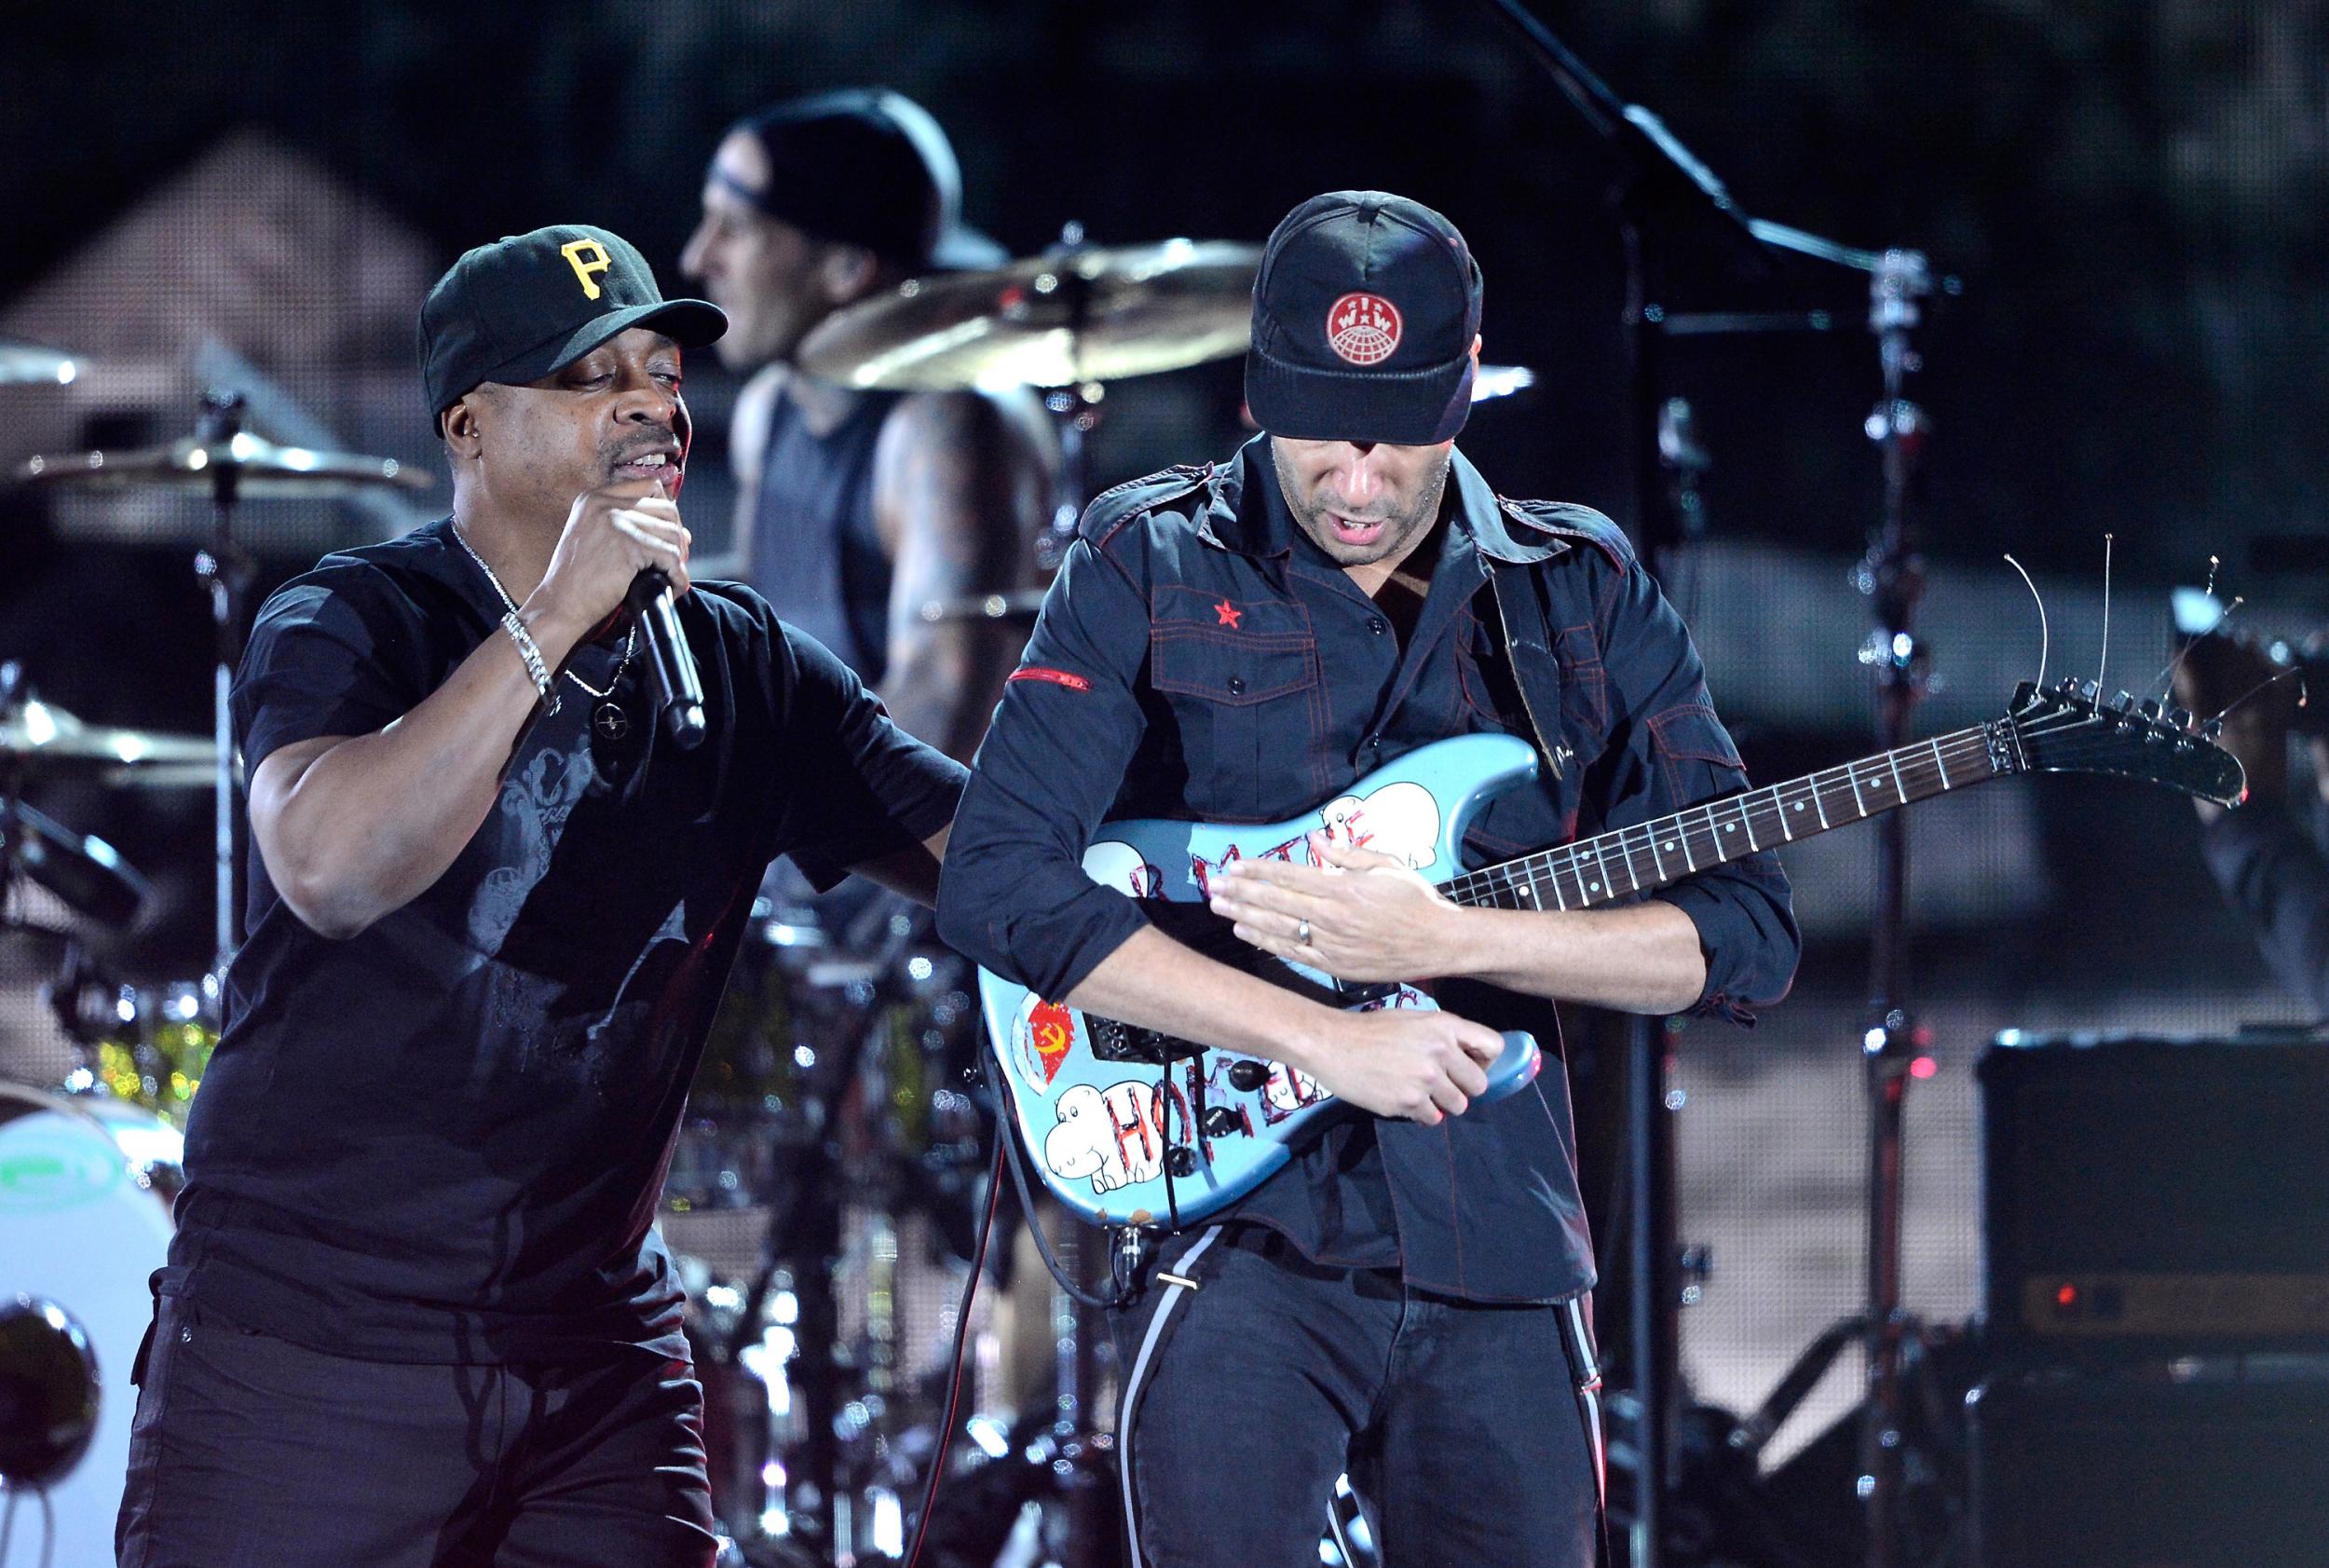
{"points": [[1129, 1141]]}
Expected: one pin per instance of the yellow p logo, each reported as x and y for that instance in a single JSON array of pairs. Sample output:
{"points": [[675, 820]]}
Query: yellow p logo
{"points": [[588, 257]]}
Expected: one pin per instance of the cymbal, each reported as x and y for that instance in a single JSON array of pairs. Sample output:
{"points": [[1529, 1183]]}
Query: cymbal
{"points": [[43, 736], [28, 364], [253, 466], [1095, 315], [87, 872], [163, 776]]}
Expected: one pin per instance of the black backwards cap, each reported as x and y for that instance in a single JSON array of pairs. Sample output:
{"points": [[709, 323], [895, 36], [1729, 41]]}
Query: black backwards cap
{"points": [[528, 305], [1363, 314], [866, 167]]}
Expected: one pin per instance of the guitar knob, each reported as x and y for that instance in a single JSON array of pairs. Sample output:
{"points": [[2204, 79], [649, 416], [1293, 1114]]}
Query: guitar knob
{"points": [[1181, 1161], [1247, 1077], [1220, 1121]]}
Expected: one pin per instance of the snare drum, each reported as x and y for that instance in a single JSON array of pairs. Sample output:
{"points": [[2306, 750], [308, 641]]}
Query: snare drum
{"points": [[86, 1183]]}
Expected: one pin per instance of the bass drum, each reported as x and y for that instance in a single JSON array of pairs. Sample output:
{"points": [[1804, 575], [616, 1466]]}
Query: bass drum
{"points": [[86, 1184]]}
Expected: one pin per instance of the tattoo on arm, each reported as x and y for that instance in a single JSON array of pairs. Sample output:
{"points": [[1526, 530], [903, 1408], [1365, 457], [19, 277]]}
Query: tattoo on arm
{"points": [[960, 488]]}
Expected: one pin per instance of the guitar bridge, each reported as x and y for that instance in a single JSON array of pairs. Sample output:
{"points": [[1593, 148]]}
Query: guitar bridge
{"points": [[1115, 1042]]}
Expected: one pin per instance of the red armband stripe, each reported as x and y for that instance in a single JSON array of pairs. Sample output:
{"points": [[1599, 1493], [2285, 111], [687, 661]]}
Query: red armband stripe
{"points": [[1058, 677]]}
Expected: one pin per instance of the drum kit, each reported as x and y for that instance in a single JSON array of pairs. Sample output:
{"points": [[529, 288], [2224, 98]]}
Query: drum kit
{"points": [[91, 1142], [824, 1197]]}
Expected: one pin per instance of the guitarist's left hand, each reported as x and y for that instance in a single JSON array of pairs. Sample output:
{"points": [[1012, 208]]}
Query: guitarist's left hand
{"points": [[1370, 917]]}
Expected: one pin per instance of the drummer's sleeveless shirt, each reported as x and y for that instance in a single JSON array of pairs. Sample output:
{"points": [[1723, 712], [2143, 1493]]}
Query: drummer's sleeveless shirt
{"points": [[815, 553]]}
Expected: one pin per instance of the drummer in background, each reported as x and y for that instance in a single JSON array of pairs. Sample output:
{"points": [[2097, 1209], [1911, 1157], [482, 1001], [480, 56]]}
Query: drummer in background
{"points": [[856, 509]]}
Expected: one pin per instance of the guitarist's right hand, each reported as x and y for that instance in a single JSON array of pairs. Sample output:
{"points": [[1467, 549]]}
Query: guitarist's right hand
{"points": [[1416, 1065]]}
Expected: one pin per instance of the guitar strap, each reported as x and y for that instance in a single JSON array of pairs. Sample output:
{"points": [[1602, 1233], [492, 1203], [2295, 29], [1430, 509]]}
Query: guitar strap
{"points": [[1528, 637], [1526, 629]]}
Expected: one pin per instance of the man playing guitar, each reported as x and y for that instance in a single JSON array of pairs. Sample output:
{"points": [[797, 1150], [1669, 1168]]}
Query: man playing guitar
{"points": [[1404, 1301]]}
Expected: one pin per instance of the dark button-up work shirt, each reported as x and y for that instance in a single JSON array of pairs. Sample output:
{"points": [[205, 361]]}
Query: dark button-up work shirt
{"points": [[1200, 658]]}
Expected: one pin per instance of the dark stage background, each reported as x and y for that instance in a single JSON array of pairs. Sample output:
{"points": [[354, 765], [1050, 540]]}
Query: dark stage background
{"points": [[2133, 194]]}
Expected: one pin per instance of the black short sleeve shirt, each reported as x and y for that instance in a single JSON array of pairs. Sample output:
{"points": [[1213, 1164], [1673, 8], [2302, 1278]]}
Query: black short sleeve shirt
{"points": [[443, 1139]]}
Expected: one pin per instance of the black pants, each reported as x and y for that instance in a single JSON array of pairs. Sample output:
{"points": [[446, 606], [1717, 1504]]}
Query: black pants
{"points": [[248, 1451], [1458, 1424]]}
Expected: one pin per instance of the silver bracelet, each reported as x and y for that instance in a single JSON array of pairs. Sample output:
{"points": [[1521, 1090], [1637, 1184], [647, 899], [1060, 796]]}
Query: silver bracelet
{"points": [[543, 687]]}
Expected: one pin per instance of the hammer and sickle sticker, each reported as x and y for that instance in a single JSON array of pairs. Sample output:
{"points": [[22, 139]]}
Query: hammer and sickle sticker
{"points": [[588, 258]]}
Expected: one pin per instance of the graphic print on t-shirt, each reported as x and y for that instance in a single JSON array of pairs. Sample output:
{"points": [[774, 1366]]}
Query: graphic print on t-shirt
{"points": [[535, 801]]}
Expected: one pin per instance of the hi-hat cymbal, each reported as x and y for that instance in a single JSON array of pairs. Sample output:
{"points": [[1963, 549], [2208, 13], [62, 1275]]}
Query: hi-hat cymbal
{"points": [[28, 364], [250, 465], [42, 736], [86, 872], [1095, 315]]}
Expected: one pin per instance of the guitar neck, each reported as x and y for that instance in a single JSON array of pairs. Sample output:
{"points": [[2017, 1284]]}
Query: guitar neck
{"points": [[1632, 860]]}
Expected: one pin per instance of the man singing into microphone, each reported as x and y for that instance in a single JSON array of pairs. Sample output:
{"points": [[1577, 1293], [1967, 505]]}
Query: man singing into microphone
{"points": [[417, 1312]]}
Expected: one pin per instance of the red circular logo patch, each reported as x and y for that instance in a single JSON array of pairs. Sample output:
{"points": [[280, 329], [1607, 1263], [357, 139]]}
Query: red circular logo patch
{"points": [[1364, 329]]}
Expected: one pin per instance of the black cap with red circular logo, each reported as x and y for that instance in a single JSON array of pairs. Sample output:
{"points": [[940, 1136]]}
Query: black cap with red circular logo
{"points": [[1364, 315]]}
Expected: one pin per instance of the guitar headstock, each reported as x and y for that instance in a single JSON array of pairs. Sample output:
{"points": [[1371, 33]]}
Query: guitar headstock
{"points": [[2065, 728]]}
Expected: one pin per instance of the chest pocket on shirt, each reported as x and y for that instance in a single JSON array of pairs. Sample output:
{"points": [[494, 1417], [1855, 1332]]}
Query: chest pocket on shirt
{"points": [[1240, 676]]}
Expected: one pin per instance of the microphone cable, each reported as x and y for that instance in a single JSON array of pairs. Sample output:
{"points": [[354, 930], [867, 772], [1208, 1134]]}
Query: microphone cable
{"points": [[962, 1338]]}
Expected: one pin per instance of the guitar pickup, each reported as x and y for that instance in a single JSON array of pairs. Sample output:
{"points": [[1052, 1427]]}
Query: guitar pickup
{"points": [[1115, 1042]]}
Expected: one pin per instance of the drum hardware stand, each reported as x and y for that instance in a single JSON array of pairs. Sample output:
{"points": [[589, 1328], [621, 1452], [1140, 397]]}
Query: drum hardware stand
{"points": [[1075, 407], [804, 1236], [227, 571], [1892, 576], [1658, 188]]}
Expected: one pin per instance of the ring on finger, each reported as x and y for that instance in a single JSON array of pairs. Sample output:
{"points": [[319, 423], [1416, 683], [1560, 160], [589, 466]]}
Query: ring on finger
{"points": [[1301, 934]]}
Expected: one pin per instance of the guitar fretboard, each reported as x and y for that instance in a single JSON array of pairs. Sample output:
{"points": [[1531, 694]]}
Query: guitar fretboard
{"points": [[1651, 854]]}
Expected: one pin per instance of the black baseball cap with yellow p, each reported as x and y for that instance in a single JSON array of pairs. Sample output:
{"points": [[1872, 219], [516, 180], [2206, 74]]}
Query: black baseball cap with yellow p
{"points": [[528, 305]]}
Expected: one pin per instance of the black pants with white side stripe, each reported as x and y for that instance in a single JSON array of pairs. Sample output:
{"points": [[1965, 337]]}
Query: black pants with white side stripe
{"points": [[1459, 1423]]}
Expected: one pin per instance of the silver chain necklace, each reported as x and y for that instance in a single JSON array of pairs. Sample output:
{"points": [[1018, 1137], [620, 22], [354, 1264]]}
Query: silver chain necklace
{"points": [[608, 718]]}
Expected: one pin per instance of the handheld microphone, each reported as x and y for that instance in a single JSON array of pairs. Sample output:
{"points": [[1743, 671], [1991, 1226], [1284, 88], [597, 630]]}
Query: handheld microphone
{"points": [[678, 688]]}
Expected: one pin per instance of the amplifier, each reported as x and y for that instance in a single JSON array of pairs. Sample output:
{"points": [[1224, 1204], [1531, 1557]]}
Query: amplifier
{"points": [[2188, 1465], [2151, 1196]]}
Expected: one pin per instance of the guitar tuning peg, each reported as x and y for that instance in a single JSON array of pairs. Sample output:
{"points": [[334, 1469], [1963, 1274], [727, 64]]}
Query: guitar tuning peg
{"points": [[2212, 731], [2180, 718], [2088, 691], [2150, 709], [2124, 702]]}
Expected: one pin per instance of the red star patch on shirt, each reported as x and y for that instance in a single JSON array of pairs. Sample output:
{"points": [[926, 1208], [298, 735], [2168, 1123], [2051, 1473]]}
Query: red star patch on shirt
{"points": [[1228, 614]]}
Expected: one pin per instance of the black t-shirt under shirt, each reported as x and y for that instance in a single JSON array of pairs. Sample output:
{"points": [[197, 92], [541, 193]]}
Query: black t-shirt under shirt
{"points": [[443, 1139]]}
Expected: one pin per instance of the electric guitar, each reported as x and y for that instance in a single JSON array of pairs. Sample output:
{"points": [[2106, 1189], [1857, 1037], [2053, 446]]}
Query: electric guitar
{"points": [[1131, 1127]]}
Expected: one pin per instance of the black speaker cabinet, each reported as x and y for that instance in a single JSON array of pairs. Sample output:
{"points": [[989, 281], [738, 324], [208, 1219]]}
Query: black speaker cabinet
{"points": [[2149, 1198], [2225, 1465]]}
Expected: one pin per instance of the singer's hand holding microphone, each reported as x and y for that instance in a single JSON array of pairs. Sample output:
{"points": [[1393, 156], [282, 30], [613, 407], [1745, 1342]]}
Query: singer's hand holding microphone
{"points": [[625, 545]]}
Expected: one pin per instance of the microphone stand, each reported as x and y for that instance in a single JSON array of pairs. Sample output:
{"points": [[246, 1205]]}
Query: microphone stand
{"points": [[1658, 188], [1893, 578]]}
